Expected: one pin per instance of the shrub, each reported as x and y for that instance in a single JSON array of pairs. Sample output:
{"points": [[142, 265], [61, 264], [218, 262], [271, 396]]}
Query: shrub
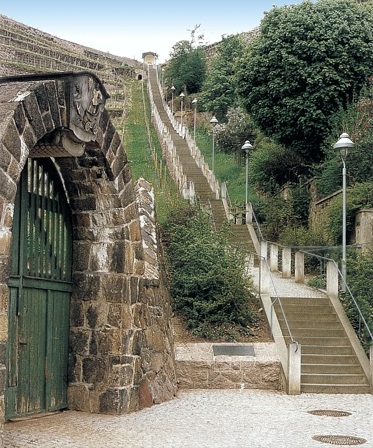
{"points": [[360, 281], [209, 287], [357, 197]]}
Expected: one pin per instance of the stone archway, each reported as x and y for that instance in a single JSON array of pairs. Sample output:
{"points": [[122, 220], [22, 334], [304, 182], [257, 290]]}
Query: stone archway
{"points": [[121, 355]]}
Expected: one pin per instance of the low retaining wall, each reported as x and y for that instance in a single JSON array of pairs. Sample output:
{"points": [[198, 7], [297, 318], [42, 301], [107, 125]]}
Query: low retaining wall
{"points": [[198, 368]]}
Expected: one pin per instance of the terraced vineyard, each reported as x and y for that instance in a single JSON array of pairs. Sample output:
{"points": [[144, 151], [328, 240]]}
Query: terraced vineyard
{"points": [[27, 50]]}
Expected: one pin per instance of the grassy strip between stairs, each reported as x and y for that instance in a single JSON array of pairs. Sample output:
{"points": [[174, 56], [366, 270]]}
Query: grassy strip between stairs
{"points": [[141, 144]]}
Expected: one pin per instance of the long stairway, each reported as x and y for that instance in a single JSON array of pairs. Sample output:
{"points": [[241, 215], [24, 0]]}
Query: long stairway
{"points": [[238, 233], [328, 361]]}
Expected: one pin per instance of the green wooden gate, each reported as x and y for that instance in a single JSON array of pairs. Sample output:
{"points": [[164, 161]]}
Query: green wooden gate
{"points": [[40, 287]]}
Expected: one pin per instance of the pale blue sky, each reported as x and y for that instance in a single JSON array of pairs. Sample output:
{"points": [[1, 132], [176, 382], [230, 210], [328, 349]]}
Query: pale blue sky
{"points": [[131, 27]]}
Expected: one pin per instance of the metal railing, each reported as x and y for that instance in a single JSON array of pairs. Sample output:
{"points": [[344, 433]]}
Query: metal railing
{"points": [[362, 319]]}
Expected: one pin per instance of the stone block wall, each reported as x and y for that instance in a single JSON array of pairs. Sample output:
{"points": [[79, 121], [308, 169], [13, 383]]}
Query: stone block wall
{"points": [[121, 346], [158, 360]]}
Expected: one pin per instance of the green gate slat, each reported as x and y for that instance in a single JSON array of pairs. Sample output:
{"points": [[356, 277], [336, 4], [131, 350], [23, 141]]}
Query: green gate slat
{"points": [[40, 287]]}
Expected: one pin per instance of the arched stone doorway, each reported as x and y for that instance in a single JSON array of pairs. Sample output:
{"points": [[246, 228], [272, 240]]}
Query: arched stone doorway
{"points": [[116, 340]]}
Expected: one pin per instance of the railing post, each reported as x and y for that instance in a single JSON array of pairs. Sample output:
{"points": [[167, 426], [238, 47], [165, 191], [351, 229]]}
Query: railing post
{"points": [[299, 267], [273, 257], [286, 262], [249, 213], [264, 274], [332, 279], [294, 368], [371, 363]]}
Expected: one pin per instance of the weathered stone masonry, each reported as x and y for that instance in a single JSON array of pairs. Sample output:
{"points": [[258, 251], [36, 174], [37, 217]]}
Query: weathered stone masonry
{"points": [[121, 348]]}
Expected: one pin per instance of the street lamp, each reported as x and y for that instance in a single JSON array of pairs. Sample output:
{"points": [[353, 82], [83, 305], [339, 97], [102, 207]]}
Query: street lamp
{"points": [[213, 121], [181, 109], [172, 99], [195, 101], [247, 147], [342, 145]]}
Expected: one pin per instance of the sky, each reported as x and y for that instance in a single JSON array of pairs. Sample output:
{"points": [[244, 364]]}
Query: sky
{"points": [[131, 27]]}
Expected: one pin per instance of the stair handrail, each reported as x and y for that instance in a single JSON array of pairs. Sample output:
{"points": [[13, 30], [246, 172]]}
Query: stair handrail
{"points": [[183, 131], [259, 230], [276, 295], [169, 153], [361, 315], [278, 299], [302, 249]]}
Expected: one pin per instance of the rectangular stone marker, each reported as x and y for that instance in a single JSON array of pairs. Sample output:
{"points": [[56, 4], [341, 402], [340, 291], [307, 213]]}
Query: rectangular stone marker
{"points": [[233, 350]]}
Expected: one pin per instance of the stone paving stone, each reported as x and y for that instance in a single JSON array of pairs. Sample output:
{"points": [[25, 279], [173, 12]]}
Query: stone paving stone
{"points": [[205, 419]]}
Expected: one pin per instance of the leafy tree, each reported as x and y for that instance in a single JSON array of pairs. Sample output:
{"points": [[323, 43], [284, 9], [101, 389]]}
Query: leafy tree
{"points": [[187, 66], [219, 89], [232, 135], [308, 61], [271, 166], [358, 121]]}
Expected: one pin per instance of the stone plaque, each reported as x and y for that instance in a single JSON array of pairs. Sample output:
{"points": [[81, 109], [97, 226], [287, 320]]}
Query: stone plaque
{"points": [[233, 350]]}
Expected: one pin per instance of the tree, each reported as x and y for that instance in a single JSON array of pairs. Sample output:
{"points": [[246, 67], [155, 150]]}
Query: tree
{"points": [[272, 166], [219, 89], [358, 121], [187, 67], [308, 61], [231, 136]]}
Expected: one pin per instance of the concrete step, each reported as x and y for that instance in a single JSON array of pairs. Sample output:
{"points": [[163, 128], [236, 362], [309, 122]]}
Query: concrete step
{"points": [[351, 388], [316, 332], [321, 341], [301, 316], [327, 378], [327, 350], [305, 301], [328, 359], [332, 368], [311, 323]]}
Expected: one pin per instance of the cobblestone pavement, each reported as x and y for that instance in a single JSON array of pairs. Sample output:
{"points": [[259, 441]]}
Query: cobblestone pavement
{"points": [[205, 419]]}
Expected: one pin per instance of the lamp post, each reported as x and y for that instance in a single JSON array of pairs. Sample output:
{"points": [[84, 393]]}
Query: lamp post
{"points": [[181, 109], [172, 99], [213, 121], [342, 145], [247, 147], [195, 101]]}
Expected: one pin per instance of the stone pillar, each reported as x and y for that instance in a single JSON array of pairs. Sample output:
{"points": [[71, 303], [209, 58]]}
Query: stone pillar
{"points": [[332, 279], [299, 267], [286, 262], [294, 368], [249, 213], [264, 269], [371, 363], [273, 257]]}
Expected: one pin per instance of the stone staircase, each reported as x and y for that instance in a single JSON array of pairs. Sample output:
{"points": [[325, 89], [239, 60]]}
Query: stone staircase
{"points": [[328, 361], [238, 233]]}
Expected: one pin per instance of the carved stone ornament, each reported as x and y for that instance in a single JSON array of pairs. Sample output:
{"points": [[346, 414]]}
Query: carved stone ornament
{"points": [[61, 143], [87, 104]]}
